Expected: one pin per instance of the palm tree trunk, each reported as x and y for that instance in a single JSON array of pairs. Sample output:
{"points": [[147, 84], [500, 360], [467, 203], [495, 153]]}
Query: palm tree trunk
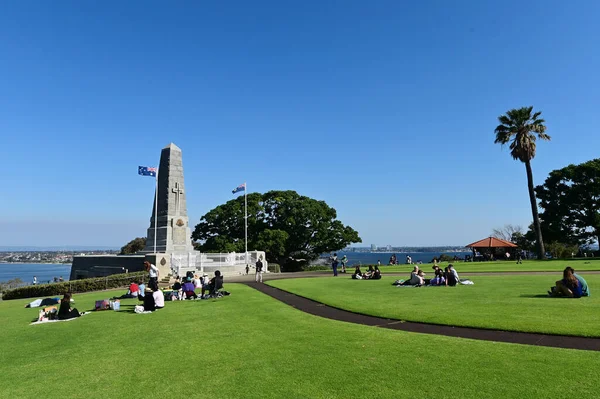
{"points": [[534, 211]]}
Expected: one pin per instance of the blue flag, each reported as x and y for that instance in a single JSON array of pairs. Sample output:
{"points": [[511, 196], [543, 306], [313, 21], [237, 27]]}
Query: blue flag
{"points": [[146, 171], [241, 187]]}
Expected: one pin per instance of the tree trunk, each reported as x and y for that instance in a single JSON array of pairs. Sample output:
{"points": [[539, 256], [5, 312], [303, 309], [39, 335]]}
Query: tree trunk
{"points": [[534, 211]]}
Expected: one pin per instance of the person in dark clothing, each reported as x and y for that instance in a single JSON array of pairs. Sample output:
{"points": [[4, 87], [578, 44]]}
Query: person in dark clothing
{"points": [[65, 311], [177, 291], [149, 304], [357, 274], [376, 274], [334, 264], [215, 284], [450, 277]]}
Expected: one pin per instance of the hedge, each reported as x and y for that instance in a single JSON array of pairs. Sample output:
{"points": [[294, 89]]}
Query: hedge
{"points": [[83, 285]]}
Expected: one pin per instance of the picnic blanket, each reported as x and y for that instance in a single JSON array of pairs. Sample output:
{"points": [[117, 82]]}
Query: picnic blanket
{"points": [[56, 320]]}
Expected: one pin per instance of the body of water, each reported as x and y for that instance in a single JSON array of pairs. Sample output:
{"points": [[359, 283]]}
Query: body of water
{"points": [[371, 258], [44, 272]]}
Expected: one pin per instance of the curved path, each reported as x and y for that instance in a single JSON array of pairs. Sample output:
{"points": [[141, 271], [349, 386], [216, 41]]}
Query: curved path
{"points": [[329, 312]]}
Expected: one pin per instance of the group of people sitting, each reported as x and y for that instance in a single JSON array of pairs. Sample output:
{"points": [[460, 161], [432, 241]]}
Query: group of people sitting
{"points": [[442, 277], [191, 282], [373, 273]]}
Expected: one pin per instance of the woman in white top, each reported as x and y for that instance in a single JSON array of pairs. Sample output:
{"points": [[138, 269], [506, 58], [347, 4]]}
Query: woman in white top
{"points": [[159, 299], [152, 274]]}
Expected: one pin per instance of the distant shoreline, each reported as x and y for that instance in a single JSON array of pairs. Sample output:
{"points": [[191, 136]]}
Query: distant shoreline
{"points": [[36, 263]]}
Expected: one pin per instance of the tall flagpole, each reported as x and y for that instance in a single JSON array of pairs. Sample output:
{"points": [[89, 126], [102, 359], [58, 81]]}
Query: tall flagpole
{"points": [[155, 209], [246, 218]]}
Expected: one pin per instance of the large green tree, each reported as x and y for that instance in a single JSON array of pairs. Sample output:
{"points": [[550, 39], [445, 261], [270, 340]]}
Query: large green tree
{"points": [[292, 229], [521, 128], [133, 246], [570, 199]]}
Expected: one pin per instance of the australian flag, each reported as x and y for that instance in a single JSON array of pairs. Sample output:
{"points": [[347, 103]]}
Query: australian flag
{"points": [[241, 187], [146, 171]]}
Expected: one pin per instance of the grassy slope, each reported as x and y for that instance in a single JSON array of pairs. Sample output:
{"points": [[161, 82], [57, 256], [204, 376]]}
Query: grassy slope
{"points": [[499, 302], [250, 346]]}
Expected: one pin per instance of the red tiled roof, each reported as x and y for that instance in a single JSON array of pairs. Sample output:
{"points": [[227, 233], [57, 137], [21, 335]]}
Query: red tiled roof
{"points": [[492, 242]]}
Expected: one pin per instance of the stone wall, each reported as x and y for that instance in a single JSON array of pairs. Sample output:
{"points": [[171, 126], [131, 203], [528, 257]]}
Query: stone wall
{"points": [[105, 265]]}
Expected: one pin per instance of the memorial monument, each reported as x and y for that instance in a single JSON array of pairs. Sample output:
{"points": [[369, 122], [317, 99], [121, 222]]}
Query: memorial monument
{"points": [[170, 211], [168, 239]]}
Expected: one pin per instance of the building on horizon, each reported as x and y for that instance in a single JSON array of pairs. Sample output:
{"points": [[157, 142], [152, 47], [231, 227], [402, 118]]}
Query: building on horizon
{"points": [[373, 247]]}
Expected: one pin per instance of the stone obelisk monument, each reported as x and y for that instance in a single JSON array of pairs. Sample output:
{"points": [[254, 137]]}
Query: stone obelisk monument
{"points": [[173, 233]]}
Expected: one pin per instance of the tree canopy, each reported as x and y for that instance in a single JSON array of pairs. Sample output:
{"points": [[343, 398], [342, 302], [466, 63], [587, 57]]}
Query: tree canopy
{"points": [[570, 199], [521, 128], [292, 229], [133, 246]]}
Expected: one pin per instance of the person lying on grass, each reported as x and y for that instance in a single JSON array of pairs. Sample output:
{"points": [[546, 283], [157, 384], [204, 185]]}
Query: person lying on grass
{"points": [[571, 286], [65, 311]]}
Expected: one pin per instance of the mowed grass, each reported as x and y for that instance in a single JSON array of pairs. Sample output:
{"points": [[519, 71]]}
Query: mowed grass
{"points": [[249, 345], [503, 266], [515, 303]]}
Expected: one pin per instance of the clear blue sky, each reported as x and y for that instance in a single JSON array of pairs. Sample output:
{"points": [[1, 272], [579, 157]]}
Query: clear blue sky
{"points": [[384, 109]]}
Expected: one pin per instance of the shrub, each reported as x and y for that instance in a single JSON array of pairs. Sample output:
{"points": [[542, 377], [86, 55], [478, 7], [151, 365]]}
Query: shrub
{"points": [[83, 285], [561, 251], [274, 268]]}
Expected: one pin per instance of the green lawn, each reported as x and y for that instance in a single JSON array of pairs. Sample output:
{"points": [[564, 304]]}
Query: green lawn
{"points": [[249, 345], [526, 266], [498, 302]]}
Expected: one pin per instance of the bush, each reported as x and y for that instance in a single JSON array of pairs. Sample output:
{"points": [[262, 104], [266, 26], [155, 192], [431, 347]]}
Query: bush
{"points": [[561, 251], [274, 268], [84, 285]]}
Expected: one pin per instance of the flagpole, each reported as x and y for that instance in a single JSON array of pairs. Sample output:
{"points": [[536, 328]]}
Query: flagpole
{"points": [[155, 209], [246, 218]]}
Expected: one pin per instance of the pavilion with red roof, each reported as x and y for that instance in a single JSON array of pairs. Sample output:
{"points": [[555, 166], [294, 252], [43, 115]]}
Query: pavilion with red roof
{"points": [[492, 246]]}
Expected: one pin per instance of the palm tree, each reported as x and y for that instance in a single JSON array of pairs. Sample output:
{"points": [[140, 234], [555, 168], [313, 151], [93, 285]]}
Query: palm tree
{"points": [[521, 129]]}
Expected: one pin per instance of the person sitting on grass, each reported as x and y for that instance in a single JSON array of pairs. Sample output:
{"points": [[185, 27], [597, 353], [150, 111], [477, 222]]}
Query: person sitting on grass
{"points": [[132, 292], [188, 290], [451, 276], [357, 274], [376, 274], [177, 292], [569, 286], [213, 285], [438, 279], [585, 291], [65, 311], [369, 273], [414, 277], [149, 304], [141, 291], [159, 298]]}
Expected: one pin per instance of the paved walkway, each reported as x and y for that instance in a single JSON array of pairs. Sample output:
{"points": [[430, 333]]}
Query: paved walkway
{"points": [[322, 310]]}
